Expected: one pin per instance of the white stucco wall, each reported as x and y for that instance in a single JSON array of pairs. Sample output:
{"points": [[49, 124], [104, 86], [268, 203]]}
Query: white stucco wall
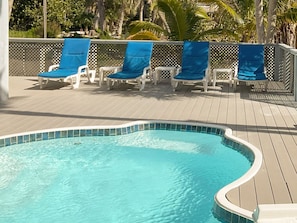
{"points": [[4, 54]]}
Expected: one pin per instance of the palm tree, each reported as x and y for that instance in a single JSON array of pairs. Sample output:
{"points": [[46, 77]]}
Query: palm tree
{"points": [[182, 20], [271, 21], [287, 22], [10, 4], [141, 30], [259, 20], [185, 20]]}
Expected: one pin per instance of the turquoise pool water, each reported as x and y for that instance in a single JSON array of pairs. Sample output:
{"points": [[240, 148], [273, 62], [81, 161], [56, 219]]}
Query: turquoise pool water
{"points": [[146, 176]]}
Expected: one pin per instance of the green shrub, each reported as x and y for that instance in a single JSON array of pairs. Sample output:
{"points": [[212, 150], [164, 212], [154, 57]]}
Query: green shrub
{"points": [[53, 30], [22, 34]]}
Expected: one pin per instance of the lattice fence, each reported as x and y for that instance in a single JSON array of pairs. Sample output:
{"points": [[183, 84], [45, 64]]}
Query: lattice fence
{"points": [[28, 58]]}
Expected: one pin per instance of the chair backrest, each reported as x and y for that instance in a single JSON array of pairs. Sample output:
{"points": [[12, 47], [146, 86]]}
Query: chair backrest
{"points": [[195, 57], [74, 53], [137, 57], [250, 61]]}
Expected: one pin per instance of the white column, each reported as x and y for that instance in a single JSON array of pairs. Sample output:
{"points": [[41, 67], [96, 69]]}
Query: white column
{"points": [[4, 54]]}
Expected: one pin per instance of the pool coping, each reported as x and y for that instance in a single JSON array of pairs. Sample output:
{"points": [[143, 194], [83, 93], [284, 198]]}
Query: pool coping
{"points": [[223, 208]]}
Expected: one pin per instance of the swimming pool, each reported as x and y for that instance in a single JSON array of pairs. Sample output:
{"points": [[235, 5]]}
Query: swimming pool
{"points": [[144, 176]]}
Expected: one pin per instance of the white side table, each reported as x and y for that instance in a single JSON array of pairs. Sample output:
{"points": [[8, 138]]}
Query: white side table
{"points": [[105, 69], [158, 71], [221, 70]]}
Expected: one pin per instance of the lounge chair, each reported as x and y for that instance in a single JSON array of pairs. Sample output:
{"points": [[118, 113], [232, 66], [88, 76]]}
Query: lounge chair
{"points": [[73, 64], [194, 67], [136, 65], [250, 67]]}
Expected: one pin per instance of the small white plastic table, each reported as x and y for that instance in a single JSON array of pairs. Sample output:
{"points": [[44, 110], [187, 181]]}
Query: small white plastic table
{"points": [[158, 71], [221, 70], [105, 69]]}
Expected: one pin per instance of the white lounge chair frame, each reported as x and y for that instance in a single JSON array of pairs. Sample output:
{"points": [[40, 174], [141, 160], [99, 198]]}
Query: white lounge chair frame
{"points": [[73, 79], [204, 81], [141, 80], [248, 82]]}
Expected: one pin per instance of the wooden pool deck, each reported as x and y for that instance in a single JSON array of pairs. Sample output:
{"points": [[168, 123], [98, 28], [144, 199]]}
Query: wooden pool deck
{"points": [[268, 120]]}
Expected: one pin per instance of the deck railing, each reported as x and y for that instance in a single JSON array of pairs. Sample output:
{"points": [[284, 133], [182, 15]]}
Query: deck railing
{"points": [[288, 67], [28, 57]]}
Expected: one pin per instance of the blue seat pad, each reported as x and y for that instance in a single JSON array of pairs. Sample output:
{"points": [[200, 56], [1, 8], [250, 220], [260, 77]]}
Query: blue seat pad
{"points": [[60, 73], [251, 76], [251, 62], [190, 76], [125, 75]]}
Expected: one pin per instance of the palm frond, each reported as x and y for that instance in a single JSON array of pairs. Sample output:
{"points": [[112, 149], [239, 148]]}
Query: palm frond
{"points": [[137, 26], [201, 13], [143, 35], [216, 32], [221, 4], [176, 17], [289, 16]]}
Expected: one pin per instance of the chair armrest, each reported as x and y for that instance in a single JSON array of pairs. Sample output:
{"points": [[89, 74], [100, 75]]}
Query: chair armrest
{"points": [[178, 70], [52, 67], [146, 70], [82, 68]]}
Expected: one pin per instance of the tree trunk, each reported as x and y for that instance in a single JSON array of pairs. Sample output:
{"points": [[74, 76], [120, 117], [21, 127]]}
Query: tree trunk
{"points": [[259, 20], [10, 4], [141, 8], [271, 21], [289, 34], [121, 21], [99, 18], [101, 7]]}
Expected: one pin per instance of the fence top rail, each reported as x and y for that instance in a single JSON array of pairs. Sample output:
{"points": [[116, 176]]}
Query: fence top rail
{"points": [[55, 40], [288, 48], [103, 41]]}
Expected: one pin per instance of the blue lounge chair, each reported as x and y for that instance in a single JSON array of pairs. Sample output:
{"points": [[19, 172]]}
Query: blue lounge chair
{"points": [[136, 66], [73, 63], [194, 67], [250, 67]]}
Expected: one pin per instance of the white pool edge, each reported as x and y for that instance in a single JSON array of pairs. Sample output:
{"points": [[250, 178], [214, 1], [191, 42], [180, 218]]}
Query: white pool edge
{"points": [[221, 196]]}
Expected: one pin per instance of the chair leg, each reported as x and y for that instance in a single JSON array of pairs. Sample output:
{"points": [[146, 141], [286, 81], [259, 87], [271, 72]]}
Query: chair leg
{"points": [[108, 84], [205, 83], [100, 76], [174, 85], [214, 78], [77, 82], [234, 85], [91, 76], [40, 80], [230, 78], [266, 85], [142, 84]]}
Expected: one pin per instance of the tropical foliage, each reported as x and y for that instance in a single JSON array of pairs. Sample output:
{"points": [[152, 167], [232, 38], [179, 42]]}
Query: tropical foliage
{"points": [[218, 20]]}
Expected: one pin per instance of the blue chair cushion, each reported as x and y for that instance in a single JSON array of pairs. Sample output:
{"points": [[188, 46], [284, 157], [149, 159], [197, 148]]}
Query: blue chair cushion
{"points": [[60, 73], [74, 54], [124, 75], [251, 62], [137, 57], [194, 60]]}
